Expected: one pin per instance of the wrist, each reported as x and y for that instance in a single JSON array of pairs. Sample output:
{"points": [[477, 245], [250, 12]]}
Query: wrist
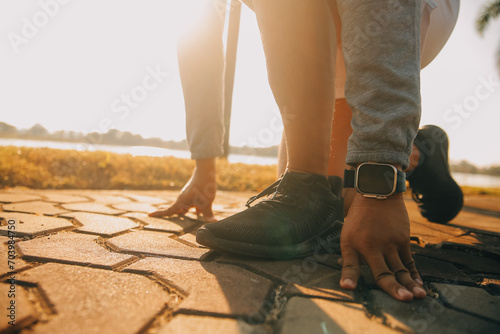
{"points": [[205, 168]]}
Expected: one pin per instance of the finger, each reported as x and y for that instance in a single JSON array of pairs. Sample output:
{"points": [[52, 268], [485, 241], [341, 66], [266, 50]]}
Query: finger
{"points": [[409, 263], [403, 275], [386, 279], [350, 269], [173, 210], [208, 214]]}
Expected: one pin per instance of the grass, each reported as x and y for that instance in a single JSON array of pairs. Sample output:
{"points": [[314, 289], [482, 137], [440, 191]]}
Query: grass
{"points": [[44, 168]]}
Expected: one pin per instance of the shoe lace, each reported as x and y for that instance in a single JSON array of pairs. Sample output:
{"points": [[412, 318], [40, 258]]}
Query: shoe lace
{"points": [[266, 192]]}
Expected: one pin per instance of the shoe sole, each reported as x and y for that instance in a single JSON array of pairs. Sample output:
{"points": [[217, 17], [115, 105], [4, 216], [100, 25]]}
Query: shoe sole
{"points": [[326, 242], [443, 159]]}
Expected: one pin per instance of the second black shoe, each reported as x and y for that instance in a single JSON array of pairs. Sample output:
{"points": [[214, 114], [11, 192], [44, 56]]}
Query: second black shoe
{"points": [[438, 196], [302, 217]]}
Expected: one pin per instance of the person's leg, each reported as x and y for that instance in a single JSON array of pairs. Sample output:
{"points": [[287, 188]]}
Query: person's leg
{"points": [[299, 42], [303, 213]]}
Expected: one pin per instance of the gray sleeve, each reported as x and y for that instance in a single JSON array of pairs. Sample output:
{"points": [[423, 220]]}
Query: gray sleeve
{"points": [[381, 46], [201, 66]]}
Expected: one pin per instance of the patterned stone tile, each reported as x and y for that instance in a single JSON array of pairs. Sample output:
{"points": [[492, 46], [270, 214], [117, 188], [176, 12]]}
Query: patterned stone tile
{"points": [[5, 265], [102, 224], [155, 243], [186, 324], [92, 207], [35, 207], [146, 199], [32, 225], [75, 248], [172, 225], [429, 316], [305, 276], [303, 315], [13, 197], [432, 269], [470, 299], [475, 222], [472, 263], [209, 286], [58, 197], [135, 207], [96, 301], [106, 199], [22, 311]]}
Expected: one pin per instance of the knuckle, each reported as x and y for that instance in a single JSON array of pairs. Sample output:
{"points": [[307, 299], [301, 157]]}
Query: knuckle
{"points": [[383, 275], [401, 272]]}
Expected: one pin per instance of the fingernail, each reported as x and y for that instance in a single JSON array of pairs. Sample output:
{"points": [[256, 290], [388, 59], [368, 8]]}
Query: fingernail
{"points": [[418, 290], [419, 281], [404, 294], [348, 283]]}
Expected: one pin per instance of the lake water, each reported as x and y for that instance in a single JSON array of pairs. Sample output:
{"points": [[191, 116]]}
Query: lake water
{"points": [[133, 150], [464, 179]]}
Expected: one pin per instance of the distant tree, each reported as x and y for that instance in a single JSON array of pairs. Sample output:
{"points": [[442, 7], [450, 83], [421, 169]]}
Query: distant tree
{"points": [[7, 129], [38, 131], [490, 11]]}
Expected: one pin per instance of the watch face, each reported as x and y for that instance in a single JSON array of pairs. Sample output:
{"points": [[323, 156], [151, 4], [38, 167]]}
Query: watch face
{"points": [[379, 179]]}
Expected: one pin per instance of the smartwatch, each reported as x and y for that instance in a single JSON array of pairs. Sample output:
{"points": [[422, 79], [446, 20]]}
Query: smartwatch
{"points": [[375, 180]]}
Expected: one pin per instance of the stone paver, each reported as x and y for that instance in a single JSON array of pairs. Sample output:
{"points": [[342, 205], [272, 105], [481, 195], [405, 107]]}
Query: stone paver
{"points": [[470, 299], [106, 198], [304, 276], [62, 197], [190, 238], [486, 224], [435, 269], [155, 243], [112, 269], [483, 202], [75, 248], [32, 225], [135, 207], [211, 287], [91, 300], [5, 265], [186, 324], [172, 224], [35, 207], [102, 224], [21, 312], [303, 315], [430, 316], [146, 199], [11, 197], [92, 207], [471, 263]]}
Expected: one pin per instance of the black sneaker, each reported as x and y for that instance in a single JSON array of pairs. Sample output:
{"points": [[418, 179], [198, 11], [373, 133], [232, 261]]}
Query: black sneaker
{"points": [[438, 196], [301, 218]]}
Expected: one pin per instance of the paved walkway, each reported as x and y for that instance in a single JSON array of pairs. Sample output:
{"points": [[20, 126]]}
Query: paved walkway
{"points": [[93, 262]]}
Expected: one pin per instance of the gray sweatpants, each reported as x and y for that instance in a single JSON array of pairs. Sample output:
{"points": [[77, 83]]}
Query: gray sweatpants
{"points": [[381, 47]]}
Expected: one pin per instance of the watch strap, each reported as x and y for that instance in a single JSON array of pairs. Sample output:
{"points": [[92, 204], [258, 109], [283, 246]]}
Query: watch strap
{"points": [[350, 177]]}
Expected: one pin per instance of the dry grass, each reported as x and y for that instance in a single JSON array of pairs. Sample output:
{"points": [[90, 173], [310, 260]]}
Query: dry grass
{"points": [[44, 168]]}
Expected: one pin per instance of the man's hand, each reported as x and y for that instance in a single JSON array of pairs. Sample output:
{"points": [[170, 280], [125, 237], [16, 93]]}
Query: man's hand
{"points": [[378, 233], [199, 193]]}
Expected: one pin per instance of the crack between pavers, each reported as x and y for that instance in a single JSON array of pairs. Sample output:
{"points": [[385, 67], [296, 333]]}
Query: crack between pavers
{"points": [[163, 317], [372, 312], [482, 212], [43, 260], [470, 313]]}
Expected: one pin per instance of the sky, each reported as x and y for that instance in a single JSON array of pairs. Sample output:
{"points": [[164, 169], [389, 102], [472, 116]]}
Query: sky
{"points": [[66, 64]]}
